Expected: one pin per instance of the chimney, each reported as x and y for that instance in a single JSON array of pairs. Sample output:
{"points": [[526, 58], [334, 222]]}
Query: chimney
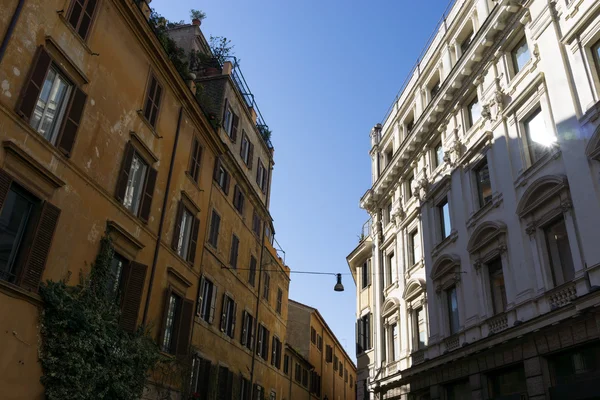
{"points": [[227, 68]]}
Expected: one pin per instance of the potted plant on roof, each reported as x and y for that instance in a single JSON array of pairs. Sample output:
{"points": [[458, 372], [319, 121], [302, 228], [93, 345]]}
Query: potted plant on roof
{"points": [[197, 17]]}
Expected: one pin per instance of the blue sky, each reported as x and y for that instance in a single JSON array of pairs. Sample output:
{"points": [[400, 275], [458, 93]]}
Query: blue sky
{"points": [[323, 73]]}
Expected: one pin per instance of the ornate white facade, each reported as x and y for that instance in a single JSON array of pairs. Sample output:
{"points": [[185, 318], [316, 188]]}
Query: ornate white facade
{"points": [[478, 276]]}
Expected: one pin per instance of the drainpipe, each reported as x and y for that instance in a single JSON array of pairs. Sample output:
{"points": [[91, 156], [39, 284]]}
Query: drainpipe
{"points": [[162, 217], [11, 28]]}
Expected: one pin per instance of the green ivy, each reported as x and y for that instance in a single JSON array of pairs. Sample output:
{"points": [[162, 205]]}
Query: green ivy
{"points": [[85, 354]]}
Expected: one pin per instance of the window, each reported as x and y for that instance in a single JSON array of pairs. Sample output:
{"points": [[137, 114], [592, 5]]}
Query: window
{"points": [[452, 305], [351, 381], [247, 338], [335, 363], [313, 335], [596, 54], [207, 300], [444, 215], [341, 369], [259, 392], [238, 199], [328, 353], [473, 111], [245, 389], [195, 160], [388, 213], [279, 300], [177, 324], [315, 383], [262, 345], [438, 155], [153, 99], [276, 352], [135, 185], [261, 177], [559, 252], [256, 224], [304, 377], [246, 150], [200, 377], [298, 373], [365, 274], [390, 273], [409, 186], [213, 234], [233, 254], [394, 348], [273, 395], [224, 383], [508, 383], [80, 16], [388, 155], [484, 185], [252, 271], [414, 247], [221, 176], [435, 88], [576, 365], [464, 45], [346, 375], [286, 364], [520, 55], [458, 391], [319, 343], [266, 285], [539, 139], [497, 288], [420, 328], [115, 281], [364, 334], [230, 122], [185, 235], [228, 316]]}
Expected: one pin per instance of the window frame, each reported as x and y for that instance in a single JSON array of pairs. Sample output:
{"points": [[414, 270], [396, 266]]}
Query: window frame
{"points": [[279, 305], [495, 268], [152, 102], [471, 122], [479, 167], [172, 335], [365, 281], [234, 251], [530, 145], [266, 286], [77, 26], [252, 271], [420, 345], [228, 315], [513, 58], [445, 231], [555, 270], [213, 233], [453, 325], [437, 161]]}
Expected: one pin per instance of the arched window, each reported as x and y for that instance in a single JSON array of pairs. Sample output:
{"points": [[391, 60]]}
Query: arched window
{"points": [[391, 331], [416, 304], [446, 275]]}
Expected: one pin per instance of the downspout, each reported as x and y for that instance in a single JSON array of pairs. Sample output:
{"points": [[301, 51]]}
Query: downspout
{"points": [[322, 341], [260, 274], [11, 28], [333, 370], [162, 217]]}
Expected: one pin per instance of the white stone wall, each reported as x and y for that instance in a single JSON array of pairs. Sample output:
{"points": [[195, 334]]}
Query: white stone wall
{"points": [[561, 78]]}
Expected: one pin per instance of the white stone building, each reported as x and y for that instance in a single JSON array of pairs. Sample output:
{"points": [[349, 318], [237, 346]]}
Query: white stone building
{"points": [[478, 277]]}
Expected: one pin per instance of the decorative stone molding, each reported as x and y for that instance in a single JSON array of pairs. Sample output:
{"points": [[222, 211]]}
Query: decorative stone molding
{"points": [[498, 323], [562, 295]]}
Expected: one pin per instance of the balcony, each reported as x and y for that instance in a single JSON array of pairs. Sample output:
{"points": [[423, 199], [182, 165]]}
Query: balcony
{"points": [[418, 357], [451, 343], [498, 323], [562, 295]]}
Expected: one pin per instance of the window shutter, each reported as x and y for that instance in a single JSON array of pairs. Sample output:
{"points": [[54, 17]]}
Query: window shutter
{"points": [[244, 329], [71, 122], [217, 167], [252, 331], [224, 313], [185, 327], [213, 305], [134, 278], [146, 205], [5, 181], [35, 81], [161, 338], [195, 160], [234, 318], [229, 391], [225, 109], [177, 228], [367, 332], [40, 247], [124, 174], [266, 344], [234, 126], [200, 293], [359, 336], [242, 144], [250, 154], [194, 240], [273, 355], [236, 196], [227, 179], [86, 19]]}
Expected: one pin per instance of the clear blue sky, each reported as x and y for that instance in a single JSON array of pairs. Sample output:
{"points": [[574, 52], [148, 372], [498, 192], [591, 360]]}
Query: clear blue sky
{"points": [[323, 73]]}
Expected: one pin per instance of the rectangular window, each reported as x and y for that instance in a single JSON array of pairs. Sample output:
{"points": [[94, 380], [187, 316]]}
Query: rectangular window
{"points": [[224, 383], [184, 239], [252, 271], [508, 383], [576, 365], [435, 89], [304, 377], [335, 363], [409, 186], [261, 177], [390, 273], [328, 353], [228, 316], [135, 184], [273, 395], [247, 338], [313, 335], [464, 45], [80, 16], [173, 315], [115, 279], [414, 247], [473, 111], [394, 348], [388, 213], [346, 375], [409, 125], [259, 392], [276, 352], [221, 176], [246, 150], [484, 184], [596, 53], [559, 252], [245, 389], [497, 285], [262, 345], [452, 304], [365, 274], [319, 343], [444, 215], [238, 199], [256, 223], [153, 99], [213, 234], [230, 122], [341, 369], [286, 364], [297, 373], [233, 254], [539, 138], [200, 376], [51, 105], [420, 328], [195, 160], [458, 391], [207, 300], [279, 300], [438, 155], [520, 55], [266, 285], [364, 334]]}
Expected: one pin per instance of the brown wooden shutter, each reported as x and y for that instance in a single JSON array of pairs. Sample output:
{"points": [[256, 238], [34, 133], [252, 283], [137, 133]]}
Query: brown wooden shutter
{"points": [[33, 84], [86, 19], [252, 331], [225, 110], [227, 179], [194, 240], [250, 155], [40, 247], [244, 329], [177, 228], [200, 293], [217, 168], [146, 205], [224, 313], [5, 182], [234, 126], [195, 160], [134, 276], [213, 304], [124, 173], [242, 144], [163, 326], [71, 121], [234, 319], [185, 327]]}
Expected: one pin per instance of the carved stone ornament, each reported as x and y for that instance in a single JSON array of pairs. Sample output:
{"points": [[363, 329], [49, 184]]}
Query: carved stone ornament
{"points": [[531, 229], [566, 205], [485, 112]]}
